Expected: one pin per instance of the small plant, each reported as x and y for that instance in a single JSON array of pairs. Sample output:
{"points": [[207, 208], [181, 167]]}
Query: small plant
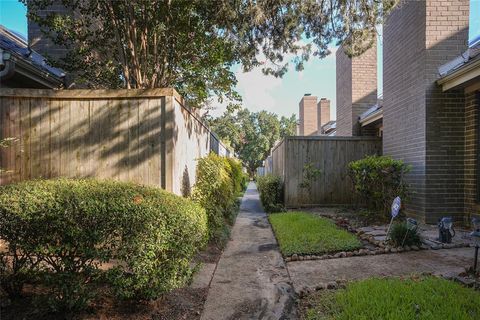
{"points": [[401, 236], [310, 175], [5, 143], [271, 192], [378, 180]]}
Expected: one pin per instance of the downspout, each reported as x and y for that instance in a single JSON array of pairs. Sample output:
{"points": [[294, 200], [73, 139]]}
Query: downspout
{"points": [[7, 65]]}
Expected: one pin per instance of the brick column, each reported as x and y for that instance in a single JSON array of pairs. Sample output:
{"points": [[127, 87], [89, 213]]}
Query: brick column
{"points": [[356, 88]]}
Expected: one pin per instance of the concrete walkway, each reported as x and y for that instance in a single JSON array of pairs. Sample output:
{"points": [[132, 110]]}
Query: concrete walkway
{"points": [[251, 280], [310, 274]]}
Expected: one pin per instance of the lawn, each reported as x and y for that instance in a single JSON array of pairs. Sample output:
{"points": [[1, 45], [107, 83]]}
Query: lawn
{"points": [[427, 298], [305, 233]]}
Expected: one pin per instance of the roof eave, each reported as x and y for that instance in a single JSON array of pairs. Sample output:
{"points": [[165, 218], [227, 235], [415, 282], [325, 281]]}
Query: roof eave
{"points": [[372, 117], [460, 76]]}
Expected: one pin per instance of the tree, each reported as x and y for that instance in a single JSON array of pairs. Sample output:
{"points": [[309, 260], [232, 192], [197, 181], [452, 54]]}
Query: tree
{"points": [[191, 45], [288, 126], [251, 134]]}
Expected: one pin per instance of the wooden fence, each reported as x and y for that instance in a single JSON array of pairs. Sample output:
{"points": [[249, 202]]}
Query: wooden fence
{"points": [[144, 136], [331, 156]]}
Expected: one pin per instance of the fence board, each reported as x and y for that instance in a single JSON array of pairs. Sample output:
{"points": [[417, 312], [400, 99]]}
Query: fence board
{"points": [[329, 154], [127, 135]]}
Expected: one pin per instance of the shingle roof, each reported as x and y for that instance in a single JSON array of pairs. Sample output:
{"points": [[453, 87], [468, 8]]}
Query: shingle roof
{"points": [[371, 111], [17, 45], [468, 56]]}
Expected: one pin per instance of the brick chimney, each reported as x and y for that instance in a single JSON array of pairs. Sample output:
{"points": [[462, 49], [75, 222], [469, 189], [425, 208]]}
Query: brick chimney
{"points": [[38, 41], [356, 88], [323, 113], [308, 115]]}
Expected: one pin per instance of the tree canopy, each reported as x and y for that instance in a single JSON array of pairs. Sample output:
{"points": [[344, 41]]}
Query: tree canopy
{"points": [[252, 134], [192, 44]]}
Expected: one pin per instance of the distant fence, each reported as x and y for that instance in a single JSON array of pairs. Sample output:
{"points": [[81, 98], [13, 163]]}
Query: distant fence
{"points": [[329, 154], [144, 136]]}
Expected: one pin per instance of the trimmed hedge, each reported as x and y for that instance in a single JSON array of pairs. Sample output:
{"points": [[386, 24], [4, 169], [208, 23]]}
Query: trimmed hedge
{"points": [[271, 192], [62, 230], [218, 181], [378, 180]]}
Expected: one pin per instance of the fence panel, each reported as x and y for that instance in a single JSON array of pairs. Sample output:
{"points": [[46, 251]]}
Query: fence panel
{"points": [[144, 136], [331, 155]]}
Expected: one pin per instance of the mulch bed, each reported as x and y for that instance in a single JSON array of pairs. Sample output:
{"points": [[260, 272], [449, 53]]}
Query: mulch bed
{"points": [[181, 304]]}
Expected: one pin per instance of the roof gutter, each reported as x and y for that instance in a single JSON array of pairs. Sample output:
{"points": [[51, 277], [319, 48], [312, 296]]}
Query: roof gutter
{"points": [[8, 66], [371, 118], [460, 76], [13, 64]]}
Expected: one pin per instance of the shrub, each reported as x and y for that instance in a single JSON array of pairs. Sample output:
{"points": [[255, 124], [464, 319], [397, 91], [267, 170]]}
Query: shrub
{"points": [[271, 192], [378, 180], [401, 236], [238, 177], [214, 190], [71, 227]]}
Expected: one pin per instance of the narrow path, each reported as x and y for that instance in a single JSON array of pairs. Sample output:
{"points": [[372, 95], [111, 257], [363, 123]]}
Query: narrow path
{"points": [[448, 262], [251, 280]]}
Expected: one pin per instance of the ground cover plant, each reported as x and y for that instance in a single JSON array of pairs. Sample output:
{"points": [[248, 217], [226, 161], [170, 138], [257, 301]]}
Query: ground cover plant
{"points": [[428, 298], [305, 233], [270, 188], [400, 235], [60, 232]]}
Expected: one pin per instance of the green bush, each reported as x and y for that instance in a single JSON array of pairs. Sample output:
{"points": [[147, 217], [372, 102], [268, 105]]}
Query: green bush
{"points": [[63, 230], [238, 177], [271, 192], [401, 236], [215, 190], [378, 180]]}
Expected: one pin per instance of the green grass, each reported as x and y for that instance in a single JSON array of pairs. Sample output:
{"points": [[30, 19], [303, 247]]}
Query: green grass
{"points": [[305, 233], [427, 298]]}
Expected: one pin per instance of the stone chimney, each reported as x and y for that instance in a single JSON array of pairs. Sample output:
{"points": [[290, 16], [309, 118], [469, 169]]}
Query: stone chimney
{"points": [[308, 115], [323, 113]]}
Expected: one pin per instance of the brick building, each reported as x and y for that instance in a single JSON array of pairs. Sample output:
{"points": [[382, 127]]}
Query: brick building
{"points": [[356, 87], [424, 126]]}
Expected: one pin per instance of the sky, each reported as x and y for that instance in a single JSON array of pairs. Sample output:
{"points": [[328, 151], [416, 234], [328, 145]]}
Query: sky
{"points": [[259, 92]]}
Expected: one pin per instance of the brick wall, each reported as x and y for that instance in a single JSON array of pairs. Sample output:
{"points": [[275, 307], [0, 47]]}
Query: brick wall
{"points": [[308, 116], [344, 93], [323, 109], [37, 39], [472, 206], [356, 89], [423, 126], [446, 38]]}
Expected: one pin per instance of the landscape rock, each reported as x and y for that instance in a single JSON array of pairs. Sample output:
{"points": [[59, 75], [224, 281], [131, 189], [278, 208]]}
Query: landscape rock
{"points": [[332, 285], [294, 257]]}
